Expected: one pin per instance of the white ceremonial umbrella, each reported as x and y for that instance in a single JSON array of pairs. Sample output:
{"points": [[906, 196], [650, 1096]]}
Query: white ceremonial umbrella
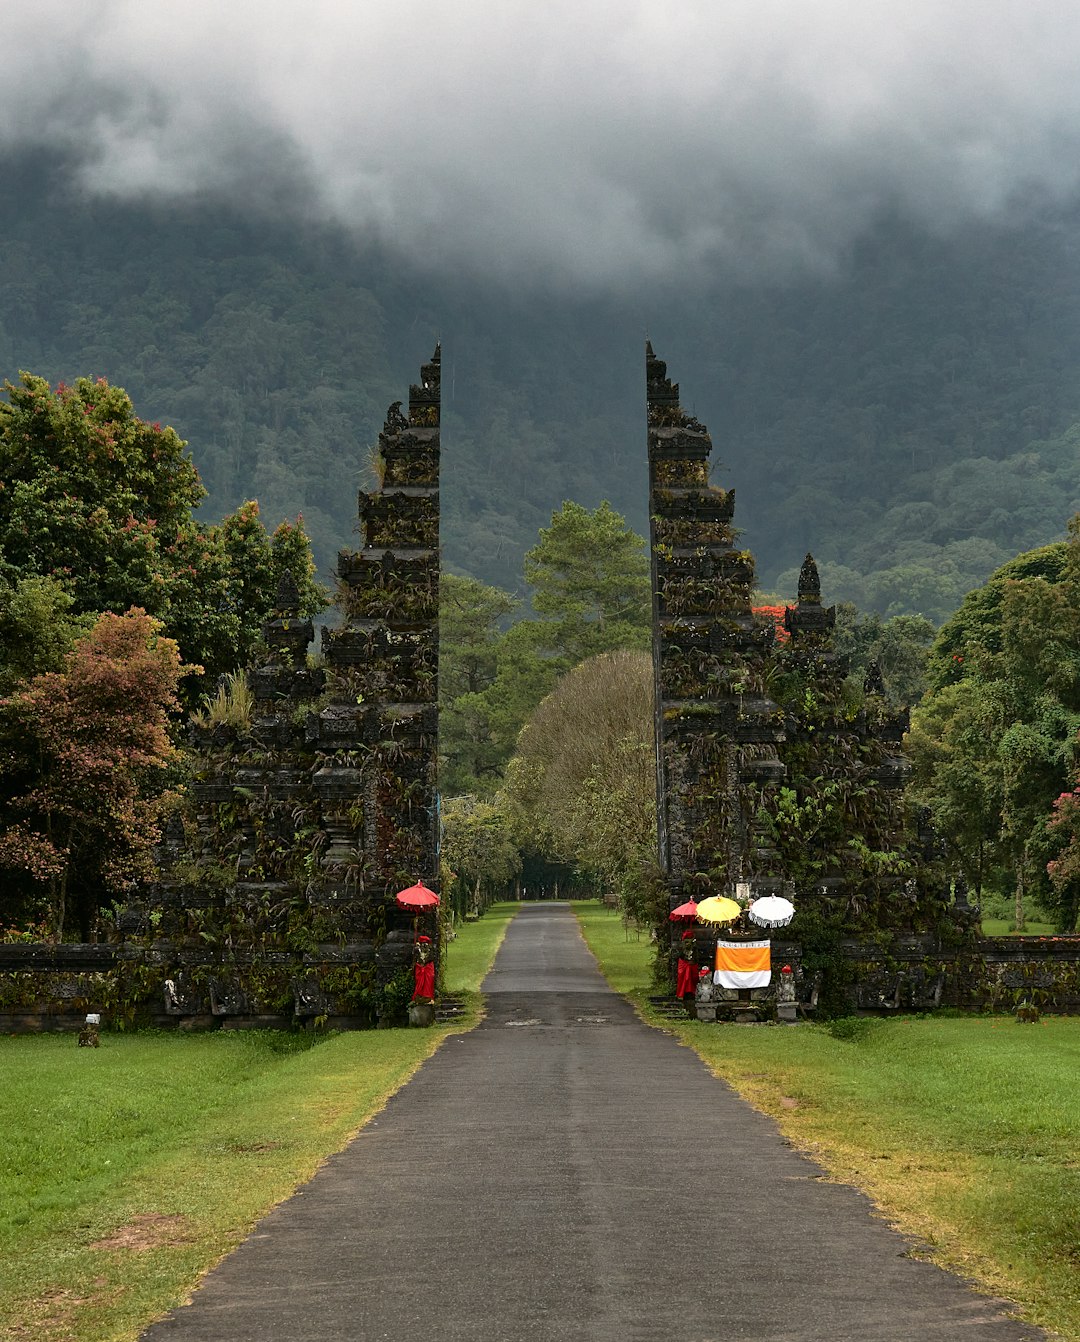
{"points": [[771, 911]]}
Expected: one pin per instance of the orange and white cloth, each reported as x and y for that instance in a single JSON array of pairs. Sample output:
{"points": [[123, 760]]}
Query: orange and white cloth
{"points": [[742, 964]]}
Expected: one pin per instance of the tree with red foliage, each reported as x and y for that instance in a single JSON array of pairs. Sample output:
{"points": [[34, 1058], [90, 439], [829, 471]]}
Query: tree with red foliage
{"points": [[775, 614], [83, 754]]}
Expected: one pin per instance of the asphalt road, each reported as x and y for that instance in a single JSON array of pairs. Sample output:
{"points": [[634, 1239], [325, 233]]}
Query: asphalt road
{"points": [[566, 1172]]}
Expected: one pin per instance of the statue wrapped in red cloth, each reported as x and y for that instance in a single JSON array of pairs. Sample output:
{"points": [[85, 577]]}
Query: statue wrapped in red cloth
{"points": [[687, 973], [424, 972]]}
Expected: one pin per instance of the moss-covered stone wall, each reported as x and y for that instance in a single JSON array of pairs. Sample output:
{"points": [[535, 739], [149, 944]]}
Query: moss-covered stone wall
{"points": [[307, 812]]}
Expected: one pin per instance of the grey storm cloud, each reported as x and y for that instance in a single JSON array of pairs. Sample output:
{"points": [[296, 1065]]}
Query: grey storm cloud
{"points": [[589, 142]]}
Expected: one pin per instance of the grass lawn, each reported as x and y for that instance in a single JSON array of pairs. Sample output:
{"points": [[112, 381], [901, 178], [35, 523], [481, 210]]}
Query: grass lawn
{"points": [[1005, 927], [964, 1130], [127, 1171]]}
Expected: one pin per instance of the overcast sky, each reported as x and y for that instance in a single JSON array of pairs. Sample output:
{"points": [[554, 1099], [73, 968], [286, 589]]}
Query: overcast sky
{"points": [[585, 141]]}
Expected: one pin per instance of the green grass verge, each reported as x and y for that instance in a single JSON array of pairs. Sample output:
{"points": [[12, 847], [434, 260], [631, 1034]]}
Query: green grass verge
{"points": [[1005, 927], [964, 1130], [126, 1172]]}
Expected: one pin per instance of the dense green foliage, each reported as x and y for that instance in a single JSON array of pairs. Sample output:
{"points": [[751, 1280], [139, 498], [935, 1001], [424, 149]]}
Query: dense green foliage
{"points": [[590, 582], [102, 503], [583, 777], [995, 740], [110, 590], [908, 417], [470, 645], [900, 645], [590, 577], [37, 629], [480, 851], [92, 495]]}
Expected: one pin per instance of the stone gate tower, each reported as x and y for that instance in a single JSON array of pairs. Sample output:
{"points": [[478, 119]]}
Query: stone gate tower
{"points": [[716, 730]]}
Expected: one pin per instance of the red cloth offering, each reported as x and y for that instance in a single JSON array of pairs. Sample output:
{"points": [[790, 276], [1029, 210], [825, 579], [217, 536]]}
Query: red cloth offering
{"points": [[425, 981], [686, 978]]}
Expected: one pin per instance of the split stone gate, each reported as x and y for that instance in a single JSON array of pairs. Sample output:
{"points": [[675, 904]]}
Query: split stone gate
{"points": [[274, 902]]}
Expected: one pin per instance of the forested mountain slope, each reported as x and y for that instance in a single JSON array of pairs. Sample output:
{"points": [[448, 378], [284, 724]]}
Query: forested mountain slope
{"points": [[907, 418]]}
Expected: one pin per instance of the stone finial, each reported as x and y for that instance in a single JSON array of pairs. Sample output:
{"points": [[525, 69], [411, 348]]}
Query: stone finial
{"points": [[658, 388], [287, 597], [431, 372], [809, 583], [873, 681]]}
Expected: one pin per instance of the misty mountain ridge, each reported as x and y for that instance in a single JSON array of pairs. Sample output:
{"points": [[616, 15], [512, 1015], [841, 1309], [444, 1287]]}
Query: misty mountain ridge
{"points": [[911, 415]]}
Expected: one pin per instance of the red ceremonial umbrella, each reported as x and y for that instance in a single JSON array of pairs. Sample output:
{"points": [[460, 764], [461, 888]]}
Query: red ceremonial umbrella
{"points": [[685, 912], [417, 897]]}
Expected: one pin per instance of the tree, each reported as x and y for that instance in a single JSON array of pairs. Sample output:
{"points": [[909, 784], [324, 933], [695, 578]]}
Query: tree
{"points": [[591, 592], [584, 775], [219, 601], [470, 614], [899, 645], [995, 740], [92, 495], [590, 577], [1064, 869], [977, 625], [84, 753], [953, 746], [37, 629], [101, 503], [478, 844], [471, 755]]}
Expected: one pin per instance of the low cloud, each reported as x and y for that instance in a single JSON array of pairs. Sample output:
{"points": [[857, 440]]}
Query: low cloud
{"points": [[596, 144]]}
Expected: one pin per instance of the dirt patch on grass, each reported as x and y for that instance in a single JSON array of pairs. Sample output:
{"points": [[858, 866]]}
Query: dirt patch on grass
{"points": [[148, 1230], [51, 1315]]}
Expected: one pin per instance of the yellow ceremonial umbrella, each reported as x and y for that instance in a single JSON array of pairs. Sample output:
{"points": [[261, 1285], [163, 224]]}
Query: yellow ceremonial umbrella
{"points": [[718, 909]]}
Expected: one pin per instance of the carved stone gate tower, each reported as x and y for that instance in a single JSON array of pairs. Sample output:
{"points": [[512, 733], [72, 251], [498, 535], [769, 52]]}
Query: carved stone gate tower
{"points": [[716, 730]]}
